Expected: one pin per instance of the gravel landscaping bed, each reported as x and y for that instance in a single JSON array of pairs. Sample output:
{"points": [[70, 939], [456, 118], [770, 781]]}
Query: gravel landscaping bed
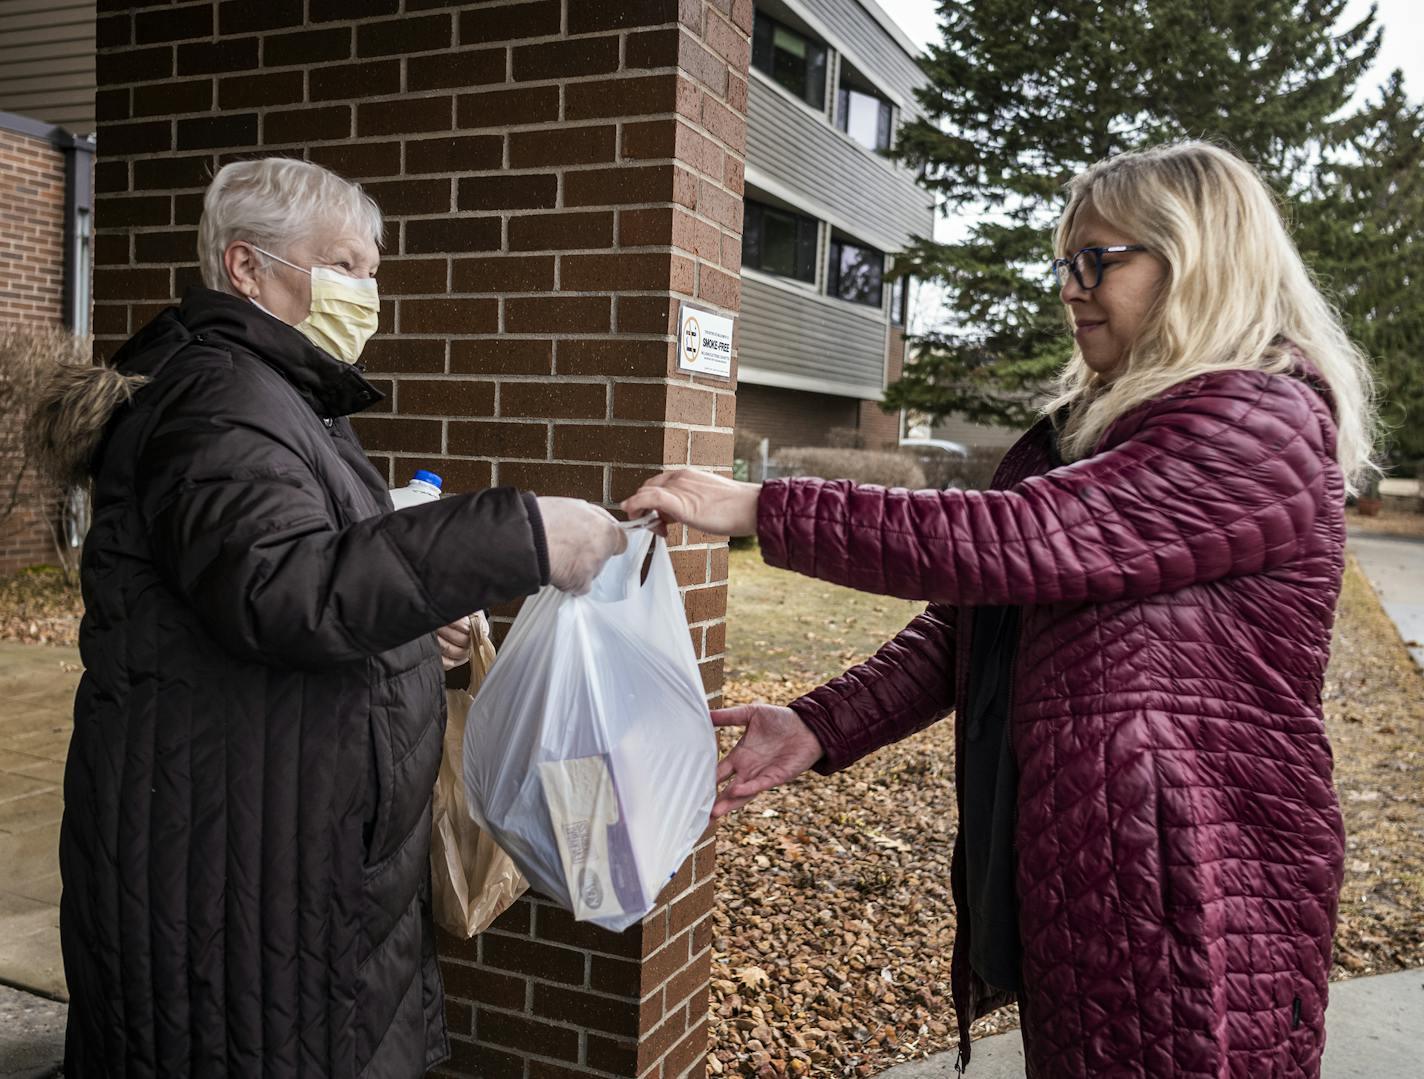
{"points": [[39, 606]]}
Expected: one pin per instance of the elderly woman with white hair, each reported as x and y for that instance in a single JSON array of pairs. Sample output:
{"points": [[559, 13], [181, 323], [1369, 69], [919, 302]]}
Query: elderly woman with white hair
{"points": [[247, 799]]}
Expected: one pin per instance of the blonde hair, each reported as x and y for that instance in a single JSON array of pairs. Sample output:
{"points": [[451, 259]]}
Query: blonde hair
{"points": [[1236, 294], [272, 202]]}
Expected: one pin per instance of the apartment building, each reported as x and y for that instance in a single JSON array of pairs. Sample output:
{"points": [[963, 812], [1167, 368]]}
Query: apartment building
{"points": [[822, 329]]}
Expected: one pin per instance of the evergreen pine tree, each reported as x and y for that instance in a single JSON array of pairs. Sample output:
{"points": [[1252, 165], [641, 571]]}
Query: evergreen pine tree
{"points": [[1361, 226], [1023, 94]]}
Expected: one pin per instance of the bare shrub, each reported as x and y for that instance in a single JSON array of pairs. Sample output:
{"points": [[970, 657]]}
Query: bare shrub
{"points": [[862, 466], [746, 445], [977, 472], [29, 358], [845, 438], [973, 473], [746, 455]]}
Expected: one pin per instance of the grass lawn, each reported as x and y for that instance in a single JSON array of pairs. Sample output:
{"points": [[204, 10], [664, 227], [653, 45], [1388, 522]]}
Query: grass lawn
{"points": [[781, 625]]}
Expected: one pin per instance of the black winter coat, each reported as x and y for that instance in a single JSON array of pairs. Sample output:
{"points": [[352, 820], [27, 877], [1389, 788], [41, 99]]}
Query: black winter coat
{"points": [[245, 848]]}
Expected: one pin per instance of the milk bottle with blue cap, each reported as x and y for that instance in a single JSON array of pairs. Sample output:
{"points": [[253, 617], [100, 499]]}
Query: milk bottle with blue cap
{"points": [[424, 487]]}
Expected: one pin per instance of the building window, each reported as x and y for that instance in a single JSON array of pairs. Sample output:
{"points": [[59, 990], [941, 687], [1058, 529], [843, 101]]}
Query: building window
{"points": [[778, 241], [900, 300], [856, 273], [864, 117], [790, 59]]}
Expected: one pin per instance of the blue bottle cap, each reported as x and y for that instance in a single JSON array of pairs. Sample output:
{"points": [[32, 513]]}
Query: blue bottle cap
{"points": [[428, 477]]}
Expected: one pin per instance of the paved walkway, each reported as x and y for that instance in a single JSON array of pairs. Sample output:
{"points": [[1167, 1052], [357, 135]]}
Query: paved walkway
{"points": [[31, 1035], [1374, 1029], [36, 707], [1395, 566]]}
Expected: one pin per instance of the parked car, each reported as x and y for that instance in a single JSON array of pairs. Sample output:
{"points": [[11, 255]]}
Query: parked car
{"points": [[930, 445], [941, 460]]}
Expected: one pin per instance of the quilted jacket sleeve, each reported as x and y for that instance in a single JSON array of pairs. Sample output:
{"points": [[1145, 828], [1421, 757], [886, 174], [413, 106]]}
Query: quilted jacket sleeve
{"points": [[1222, 478], [903, 688], [240, 526]]}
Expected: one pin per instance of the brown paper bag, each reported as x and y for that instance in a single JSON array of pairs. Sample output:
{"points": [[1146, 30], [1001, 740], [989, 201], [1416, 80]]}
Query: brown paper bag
{"points": [[473, 880]]}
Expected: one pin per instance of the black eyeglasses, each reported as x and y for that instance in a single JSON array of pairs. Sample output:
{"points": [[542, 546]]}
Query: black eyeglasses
{"points": [[1086, 265]]}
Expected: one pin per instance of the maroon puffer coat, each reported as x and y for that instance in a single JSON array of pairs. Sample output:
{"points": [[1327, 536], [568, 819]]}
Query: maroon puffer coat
{"points": [[1179, 840]]}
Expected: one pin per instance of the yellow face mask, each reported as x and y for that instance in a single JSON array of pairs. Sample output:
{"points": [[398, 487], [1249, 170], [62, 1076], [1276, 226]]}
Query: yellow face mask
{"points": [[344, 310]]}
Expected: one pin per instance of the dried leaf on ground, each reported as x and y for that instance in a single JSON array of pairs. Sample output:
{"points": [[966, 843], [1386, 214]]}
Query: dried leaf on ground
{"points": [[40, 606]]}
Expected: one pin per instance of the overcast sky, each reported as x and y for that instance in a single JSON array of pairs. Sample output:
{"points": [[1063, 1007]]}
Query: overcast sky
{"points": [[1403, 46]]}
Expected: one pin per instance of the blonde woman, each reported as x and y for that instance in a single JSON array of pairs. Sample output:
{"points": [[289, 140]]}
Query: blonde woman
{"points": [[1132, 630]]}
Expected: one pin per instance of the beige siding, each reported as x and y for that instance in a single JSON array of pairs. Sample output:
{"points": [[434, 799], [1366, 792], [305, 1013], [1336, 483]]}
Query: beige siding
{"points": [[47, 61], [816, 165], [809, 337]]}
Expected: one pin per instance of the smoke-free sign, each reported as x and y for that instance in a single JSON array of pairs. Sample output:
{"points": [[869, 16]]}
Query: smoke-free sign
{"points": [[704, 343]]}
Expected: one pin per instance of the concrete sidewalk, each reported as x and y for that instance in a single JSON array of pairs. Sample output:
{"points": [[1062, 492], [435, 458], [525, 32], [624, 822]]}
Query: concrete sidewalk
{"points": [[31, 1035], [1374, 1029], [1395, 567], [37, 686]]}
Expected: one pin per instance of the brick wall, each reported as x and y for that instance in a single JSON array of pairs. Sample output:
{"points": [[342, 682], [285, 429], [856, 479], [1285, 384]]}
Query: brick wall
{"points": [[557, 176], [32, 236], [801, 418], [31, 289], [793, 417], [26, 536]]}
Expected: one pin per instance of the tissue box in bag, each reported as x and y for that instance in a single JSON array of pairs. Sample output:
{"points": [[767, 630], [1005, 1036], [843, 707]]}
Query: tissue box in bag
{"points": [[589, 752]]}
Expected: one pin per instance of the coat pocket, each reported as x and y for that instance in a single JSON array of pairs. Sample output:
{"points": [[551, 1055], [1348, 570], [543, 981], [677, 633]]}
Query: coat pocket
{"points": [[406, 721]]}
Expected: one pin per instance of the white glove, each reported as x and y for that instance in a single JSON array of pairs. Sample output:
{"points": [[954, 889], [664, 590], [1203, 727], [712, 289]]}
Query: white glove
{"points": [[580, 537], [456, 642]]}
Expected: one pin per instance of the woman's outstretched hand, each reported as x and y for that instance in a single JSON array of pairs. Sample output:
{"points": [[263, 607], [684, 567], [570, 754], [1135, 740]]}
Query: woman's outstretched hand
{"points": [[701, 500], [775, 747]]}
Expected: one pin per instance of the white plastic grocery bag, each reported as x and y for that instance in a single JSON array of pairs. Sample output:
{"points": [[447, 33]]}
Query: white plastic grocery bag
{"points": [[589, 752]]}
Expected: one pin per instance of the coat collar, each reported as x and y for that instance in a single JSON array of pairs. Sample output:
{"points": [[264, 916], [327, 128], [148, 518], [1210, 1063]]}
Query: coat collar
{"points": [[330, 387]]}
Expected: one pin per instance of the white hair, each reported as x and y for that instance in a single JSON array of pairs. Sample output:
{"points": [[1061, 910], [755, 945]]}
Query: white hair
{"points": [[274, 202], [1236, 294]]}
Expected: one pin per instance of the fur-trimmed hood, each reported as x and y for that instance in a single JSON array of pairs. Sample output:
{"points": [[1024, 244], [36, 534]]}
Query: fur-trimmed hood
{"points": [[71, 415]]}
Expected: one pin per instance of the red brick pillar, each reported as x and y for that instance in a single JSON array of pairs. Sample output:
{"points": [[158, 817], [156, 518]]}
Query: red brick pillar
{"points": [[558, 176]]}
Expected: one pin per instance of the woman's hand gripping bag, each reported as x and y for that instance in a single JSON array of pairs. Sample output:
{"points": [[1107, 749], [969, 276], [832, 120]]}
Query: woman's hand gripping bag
{"points": [[589, 751]]}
